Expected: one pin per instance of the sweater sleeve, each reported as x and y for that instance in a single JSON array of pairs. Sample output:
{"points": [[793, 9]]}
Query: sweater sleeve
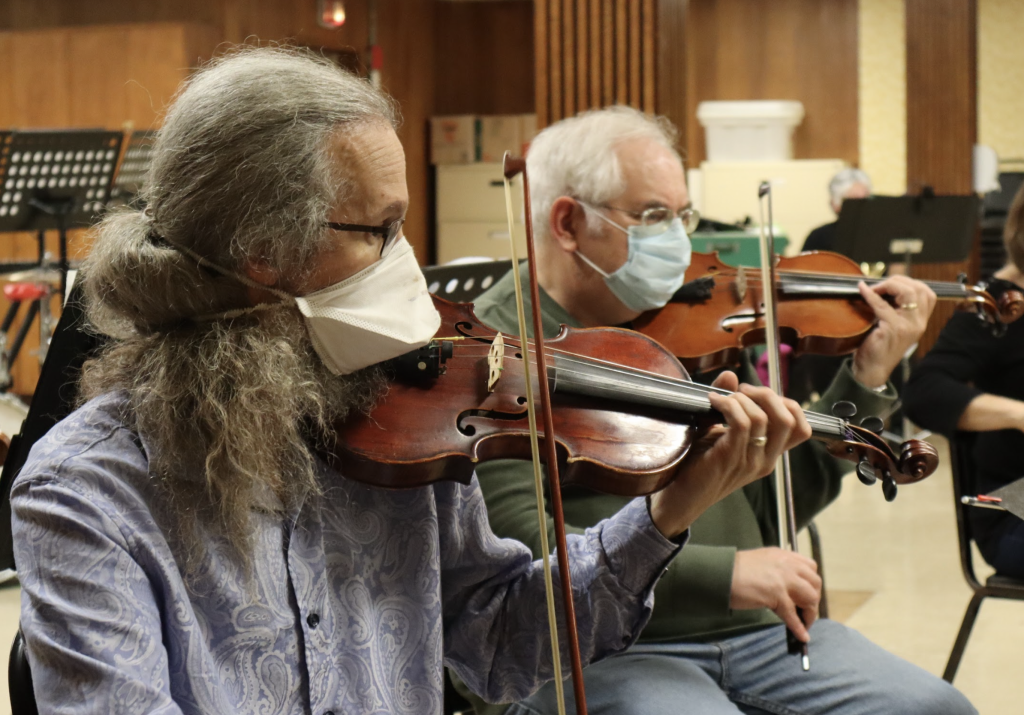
{"points": [[817, 475], [940, 386]]}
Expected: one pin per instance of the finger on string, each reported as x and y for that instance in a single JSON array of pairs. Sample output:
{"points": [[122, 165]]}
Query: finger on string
{"points": [[779, 422], [802, 429], [735, 416], [878, 304], [727, 381], [756, 419]]}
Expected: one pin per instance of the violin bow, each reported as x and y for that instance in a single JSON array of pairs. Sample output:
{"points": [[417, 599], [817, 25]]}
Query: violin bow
{"points": [[511, 167], [785, 509]]}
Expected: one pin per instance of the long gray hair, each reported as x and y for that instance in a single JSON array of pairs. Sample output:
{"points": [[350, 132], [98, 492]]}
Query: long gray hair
{"points": [[241, 172]]}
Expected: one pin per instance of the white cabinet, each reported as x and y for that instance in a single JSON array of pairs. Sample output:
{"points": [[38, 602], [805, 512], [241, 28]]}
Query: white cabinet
{"points": [[471, 219], [727, 191]]}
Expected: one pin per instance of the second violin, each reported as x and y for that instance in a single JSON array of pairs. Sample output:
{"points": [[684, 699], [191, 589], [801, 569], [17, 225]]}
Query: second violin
{"points": [[720, 310]]}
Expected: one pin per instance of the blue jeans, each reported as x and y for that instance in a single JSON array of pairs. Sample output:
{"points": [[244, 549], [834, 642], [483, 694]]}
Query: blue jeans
{"points": [[753, 673]]}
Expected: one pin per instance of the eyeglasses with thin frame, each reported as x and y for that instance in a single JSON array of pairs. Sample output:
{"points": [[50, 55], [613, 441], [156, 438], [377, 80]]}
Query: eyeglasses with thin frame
{"points": [[662, 214], [389, 233]]}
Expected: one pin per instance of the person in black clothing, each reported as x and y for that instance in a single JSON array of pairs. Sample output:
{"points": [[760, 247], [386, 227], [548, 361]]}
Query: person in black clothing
{"points": [[847, 184], [974, 381], [812, 374]]}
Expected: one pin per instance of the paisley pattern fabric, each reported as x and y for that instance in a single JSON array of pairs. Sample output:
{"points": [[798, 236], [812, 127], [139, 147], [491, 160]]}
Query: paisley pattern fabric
{"points": [[355, 602]]}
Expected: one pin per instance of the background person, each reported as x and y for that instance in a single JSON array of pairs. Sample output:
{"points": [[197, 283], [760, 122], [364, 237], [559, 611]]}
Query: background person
{"points": [[973, 381]]}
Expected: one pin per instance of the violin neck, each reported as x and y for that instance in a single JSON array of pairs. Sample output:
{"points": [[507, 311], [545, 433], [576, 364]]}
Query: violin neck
{"points": [[592, 378], [809, 284]]}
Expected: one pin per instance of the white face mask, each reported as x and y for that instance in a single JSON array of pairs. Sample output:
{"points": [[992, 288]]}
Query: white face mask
{"points": [[375, 315], [379, 313]]}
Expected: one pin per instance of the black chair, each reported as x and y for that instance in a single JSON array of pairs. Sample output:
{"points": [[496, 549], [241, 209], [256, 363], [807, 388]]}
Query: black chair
{"points": [[19, 678], [53, 400], [996, 586]]}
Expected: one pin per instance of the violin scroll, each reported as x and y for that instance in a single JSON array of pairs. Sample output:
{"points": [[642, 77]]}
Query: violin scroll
{"points": [[1010, 305], [918, 459], [875, 459]]}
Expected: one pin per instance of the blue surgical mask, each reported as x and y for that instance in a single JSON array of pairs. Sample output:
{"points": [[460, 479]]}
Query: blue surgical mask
{"points": [[655, 268]]}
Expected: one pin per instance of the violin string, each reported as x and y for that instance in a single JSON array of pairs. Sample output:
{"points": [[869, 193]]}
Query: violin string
{"points": [[824, 422], [827, 421], [941, 288]]}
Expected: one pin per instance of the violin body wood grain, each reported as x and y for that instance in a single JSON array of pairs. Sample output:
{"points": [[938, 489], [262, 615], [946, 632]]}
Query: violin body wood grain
{"points": [[420, 433]]}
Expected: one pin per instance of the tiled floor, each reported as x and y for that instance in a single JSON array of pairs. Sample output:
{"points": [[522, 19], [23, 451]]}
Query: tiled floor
{"points": [[895, 576]]}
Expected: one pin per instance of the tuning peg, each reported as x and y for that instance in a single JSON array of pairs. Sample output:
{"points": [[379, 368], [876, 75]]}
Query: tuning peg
{"points": [[873, 424], [888, 487], [844, 410], [866, 473]]}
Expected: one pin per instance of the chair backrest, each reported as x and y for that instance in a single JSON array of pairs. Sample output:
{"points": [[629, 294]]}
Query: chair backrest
{"points": [[53, 400], [19, 678], [961, 452]]}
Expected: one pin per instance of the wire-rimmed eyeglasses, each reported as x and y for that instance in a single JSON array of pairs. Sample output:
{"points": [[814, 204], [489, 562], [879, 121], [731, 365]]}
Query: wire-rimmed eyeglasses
{"points": [[662, 214], [389, 233]]}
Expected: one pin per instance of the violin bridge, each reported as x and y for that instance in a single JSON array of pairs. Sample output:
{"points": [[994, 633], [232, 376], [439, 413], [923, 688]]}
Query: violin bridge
{"points": [[740, 285], [495, 361]]}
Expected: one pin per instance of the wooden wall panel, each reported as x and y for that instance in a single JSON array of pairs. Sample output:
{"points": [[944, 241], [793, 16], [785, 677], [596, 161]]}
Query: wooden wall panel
{"points": [[941, 115], [234, 21], [785, 49], [593, 53], [483, 62], [407, 40]]}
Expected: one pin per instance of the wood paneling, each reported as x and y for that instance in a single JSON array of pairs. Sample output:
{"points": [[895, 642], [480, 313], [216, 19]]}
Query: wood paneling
{"points": [[97, 76], [593, 53], [234, 21], [407, 38], [483, 63], [784, 49], [941, 115]]}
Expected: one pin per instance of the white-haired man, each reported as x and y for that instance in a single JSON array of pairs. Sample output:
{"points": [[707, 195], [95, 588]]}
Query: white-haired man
{"points": [[611, 213], [183, 546], [849, 183]]}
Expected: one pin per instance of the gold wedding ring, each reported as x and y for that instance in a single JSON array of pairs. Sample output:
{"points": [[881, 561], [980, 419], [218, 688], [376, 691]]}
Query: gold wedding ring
{"points": [[909, 306], [759, 441]]}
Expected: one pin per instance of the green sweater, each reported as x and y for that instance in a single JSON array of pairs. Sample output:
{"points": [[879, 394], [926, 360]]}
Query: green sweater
{"points": [[692, 598]]}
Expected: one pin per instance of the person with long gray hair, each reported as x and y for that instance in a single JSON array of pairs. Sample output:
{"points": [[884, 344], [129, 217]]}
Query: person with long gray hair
{"points": [[183, 544]]}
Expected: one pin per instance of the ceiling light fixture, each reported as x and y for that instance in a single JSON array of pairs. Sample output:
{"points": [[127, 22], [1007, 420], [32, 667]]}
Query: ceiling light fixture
{"points": [[330, 13]]}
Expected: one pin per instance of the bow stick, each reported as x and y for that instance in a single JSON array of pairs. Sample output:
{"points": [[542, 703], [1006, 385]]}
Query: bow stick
{"points": [[512, 167], [785, 510]]}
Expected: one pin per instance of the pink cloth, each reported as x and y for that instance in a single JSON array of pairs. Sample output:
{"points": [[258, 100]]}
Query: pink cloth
{"points": [[762, 366]]}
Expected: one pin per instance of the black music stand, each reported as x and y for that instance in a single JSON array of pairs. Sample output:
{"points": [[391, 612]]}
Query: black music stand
{"points": [[134, 168], [464, 282], [922, 229], [914, 229], [56, 180]]}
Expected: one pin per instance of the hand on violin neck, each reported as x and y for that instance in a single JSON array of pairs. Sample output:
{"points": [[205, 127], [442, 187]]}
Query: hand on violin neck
{"points": [[900, 325], [780, 580], [759, 426]]}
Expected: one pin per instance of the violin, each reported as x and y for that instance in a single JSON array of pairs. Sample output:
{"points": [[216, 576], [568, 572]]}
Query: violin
{"points": [[623, 422], [720, 309]]}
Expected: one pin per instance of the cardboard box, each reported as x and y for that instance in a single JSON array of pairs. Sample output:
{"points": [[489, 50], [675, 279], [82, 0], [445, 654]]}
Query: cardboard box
{"points": [[454, 139], [499, 134]]}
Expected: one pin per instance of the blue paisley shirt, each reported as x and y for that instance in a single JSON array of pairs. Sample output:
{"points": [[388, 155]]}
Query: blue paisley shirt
{"points": [[357, 599]]}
